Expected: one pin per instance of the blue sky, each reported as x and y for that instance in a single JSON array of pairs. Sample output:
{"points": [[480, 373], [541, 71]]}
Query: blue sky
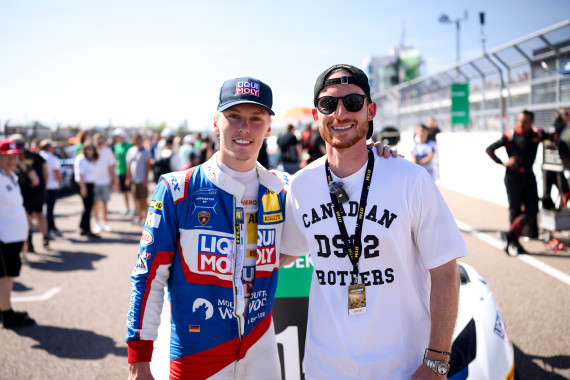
{"points": [[134, 62]]}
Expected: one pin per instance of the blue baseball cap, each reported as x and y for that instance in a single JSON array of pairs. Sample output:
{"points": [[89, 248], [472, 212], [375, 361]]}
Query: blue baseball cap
{"points": [[245, 90]]}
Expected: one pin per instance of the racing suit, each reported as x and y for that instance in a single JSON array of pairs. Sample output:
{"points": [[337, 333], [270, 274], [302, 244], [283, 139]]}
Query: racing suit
{"points": [[191, 243], [520, 180]]}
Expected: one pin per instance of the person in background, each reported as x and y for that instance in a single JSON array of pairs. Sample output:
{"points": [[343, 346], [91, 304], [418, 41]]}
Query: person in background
{"points": [[82, 136], [156, 147], [34, 203], [13, 233], [317, 147], [153, 147], [120, 148], [138, 167], [290, 149], [185, 151], [433, 129], [424, 150], [53, 182], [207, 148], [104, 174], [521, 145], [560, 140], [432, 136], [385, 288], [84, 171], [169, 160], [263, 157], [27, 179]]}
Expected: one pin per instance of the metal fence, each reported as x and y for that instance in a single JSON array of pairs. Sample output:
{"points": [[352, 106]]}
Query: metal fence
{"points": [[522, 74]]}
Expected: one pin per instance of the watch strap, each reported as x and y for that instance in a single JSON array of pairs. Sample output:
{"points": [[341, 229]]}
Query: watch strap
{"points": [[434, 365]]}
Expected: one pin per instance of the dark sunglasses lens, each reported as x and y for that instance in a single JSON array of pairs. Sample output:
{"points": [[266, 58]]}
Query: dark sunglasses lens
{"points": [[327, 104], [353, 102]]}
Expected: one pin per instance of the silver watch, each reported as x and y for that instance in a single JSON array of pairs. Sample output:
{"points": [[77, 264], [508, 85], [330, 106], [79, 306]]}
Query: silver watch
{"points": [[438, 366]]}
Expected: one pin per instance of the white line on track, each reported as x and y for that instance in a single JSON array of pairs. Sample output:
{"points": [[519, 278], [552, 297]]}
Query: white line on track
{"points": [[537, 264], [44, 297]]}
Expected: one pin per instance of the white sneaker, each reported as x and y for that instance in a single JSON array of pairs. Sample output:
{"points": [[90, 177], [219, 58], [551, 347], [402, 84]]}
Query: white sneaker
{"points": [[97, 228], [106, 227]]}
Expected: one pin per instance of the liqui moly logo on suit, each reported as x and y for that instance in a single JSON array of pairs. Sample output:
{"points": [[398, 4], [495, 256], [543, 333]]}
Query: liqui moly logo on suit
{"points": [[213, 254], [247, 88]]}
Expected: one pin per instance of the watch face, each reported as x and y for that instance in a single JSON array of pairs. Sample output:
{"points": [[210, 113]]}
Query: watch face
{"points": [[443, 368]]}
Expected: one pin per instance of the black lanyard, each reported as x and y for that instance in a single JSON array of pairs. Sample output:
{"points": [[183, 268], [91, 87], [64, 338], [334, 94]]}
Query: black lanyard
{"points": [[354, 248]]}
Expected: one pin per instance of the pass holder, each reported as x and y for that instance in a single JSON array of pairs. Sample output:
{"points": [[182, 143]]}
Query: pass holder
{"points": [[356, 299], [239, 215], [337, 188]]}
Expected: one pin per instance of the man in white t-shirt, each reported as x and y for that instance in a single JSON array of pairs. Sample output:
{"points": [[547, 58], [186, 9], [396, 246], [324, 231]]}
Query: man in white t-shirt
{"points": [[53, 182], [384, 292], [104, 171]]}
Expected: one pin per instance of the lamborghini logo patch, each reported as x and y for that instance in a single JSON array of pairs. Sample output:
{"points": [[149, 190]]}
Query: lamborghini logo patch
{"points": [[203, 217]]}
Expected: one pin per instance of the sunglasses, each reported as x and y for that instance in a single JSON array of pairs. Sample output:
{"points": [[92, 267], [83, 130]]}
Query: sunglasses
{"points": [[351, 102]]}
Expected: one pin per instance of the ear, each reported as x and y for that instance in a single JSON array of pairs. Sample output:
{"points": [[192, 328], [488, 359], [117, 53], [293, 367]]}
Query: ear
{"points": [[315, 113], [372, 108], [268, 133], [215, 125]]}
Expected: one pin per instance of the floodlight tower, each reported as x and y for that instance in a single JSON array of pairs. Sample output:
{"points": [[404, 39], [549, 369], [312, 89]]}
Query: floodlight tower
{"points": [[444, 19]]}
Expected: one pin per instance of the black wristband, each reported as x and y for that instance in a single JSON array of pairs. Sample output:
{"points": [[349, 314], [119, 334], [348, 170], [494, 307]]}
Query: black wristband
{"points": [[439, 352]]}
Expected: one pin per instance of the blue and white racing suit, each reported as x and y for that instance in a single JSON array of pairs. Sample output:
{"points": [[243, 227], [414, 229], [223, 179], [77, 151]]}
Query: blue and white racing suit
{"points": [[190, 244]]}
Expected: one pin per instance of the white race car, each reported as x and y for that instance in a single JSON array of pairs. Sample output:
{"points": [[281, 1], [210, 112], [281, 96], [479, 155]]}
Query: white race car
{"points": [[481, 348]]}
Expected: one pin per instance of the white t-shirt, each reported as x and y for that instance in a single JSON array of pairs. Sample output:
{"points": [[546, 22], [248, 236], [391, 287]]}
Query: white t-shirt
{"points": [[53, 164], [82, 166], [104, 162], [407, 230], [12, 213], [248, 232]]}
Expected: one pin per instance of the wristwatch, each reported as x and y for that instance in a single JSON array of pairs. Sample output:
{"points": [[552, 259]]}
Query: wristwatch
{"points": [[438, 366]]}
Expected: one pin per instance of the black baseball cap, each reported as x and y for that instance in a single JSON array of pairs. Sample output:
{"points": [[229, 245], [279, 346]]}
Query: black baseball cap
{"points": [[245, 90], [358, 78]]}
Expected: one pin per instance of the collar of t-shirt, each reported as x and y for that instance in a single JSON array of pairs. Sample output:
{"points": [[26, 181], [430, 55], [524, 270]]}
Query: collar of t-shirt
{"points": [[353, 183]]}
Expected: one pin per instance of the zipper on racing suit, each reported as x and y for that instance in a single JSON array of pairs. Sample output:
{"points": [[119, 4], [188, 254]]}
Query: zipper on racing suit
{"points": [[237, 268]]}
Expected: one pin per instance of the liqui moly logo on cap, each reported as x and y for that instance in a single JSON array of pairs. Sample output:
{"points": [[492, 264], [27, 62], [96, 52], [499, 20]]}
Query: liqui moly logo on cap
{"points": [[251, 88]]}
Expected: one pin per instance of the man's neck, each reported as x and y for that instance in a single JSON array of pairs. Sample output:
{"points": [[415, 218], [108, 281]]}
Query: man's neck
{"points": [[234, 164], [347, 161]]}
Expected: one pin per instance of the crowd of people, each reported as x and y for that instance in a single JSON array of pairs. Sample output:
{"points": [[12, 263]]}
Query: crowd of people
{"points": [[31, 176]]}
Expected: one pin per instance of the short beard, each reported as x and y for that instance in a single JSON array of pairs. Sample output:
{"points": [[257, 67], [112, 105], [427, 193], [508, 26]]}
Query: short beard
{"points": [[361, 131]]}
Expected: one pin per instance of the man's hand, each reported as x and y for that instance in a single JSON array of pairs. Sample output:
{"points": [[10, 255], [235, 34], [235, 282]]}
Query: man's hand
{"points": [[425, 373], [83, 190], [286, 259], [386, 150], [140, 371], [510, 163]]}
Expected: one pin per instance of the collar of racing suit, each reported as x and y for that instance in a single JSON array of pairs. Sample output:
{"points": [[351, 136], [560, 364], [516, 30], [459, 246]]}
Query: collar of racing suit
{"points": [[230, 185]]}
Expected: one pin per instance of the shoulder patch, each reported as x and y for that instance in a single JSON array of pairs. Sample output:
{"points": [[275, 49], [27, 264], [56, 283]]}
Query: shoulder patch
{"points": [[177, 183]]}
